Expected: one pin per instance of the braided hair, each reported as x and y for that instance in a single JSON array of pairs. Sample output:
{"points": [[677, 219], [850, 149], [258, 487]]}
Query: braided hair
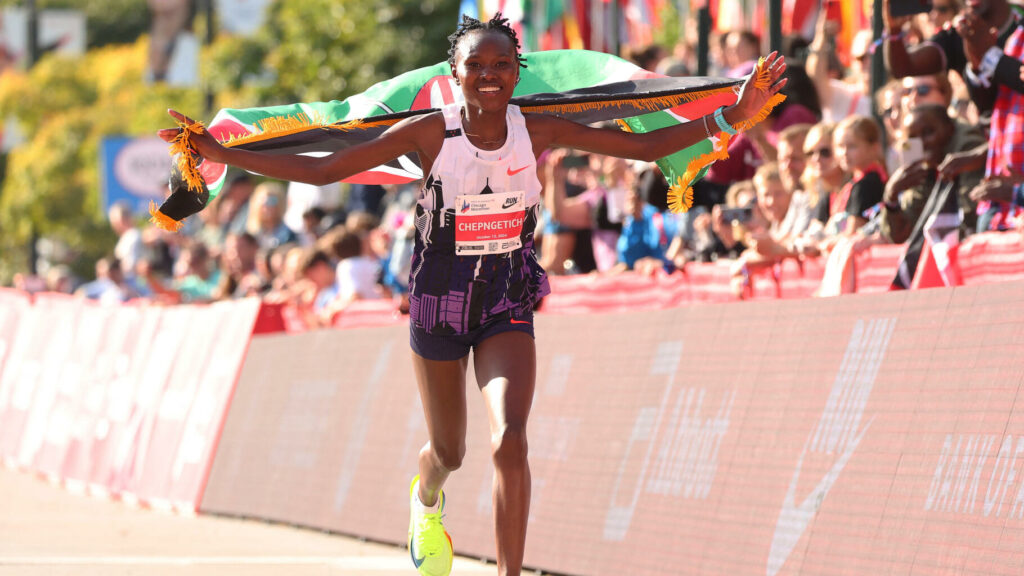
{"points": [[470, 24]]}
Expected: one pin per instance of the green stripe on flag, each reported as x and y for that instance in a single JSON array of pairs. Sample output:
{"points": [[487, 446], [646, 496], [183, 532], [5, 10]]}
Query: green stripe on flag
{"points": [[674, 165]]}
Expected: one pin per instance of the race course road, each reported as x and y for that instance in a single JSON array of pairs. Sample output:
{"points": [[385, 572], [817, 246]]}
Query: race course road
{"points": [[47, 530]]}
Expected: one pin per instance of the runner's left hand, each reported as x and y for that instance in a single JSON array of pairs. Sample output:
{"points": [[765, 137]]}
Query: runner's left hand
{"points": [[752, 99]]}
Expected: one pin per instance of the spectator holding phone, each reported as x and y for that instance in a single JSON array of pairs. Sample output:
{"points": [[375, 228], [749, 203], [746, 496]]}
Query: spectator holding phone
{"points": [[599, 208], [564, 210], [733, 221], [907, 191]]}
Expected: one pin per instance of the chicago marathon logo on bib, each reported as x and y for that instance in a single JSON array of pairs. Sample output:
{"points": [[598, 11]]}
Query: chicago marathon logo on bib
{"points": [[489, 223]]}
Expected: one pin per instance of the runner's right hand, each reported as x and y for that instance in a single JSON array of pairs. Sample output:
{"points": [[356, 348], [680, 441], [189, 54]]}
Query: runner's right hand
{"points": [[204, 143]]}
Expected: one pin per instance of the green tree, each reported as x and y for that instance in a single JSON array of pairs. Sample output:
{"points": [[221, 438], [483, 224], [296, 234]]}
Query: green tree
{"points": [[309, 50], [328, 49], [67, 106]]}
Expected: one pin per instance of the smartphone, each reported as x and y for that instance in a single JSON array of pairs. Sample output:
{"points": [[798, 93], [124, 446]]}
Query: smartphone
{"points": [[910, 150], [575, 161], [741, 215], [909, 7]]}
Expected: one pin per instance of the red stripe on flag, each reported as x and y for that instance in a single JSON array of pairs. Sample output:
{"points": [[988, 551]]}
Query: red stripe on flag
{"points": [[446, 90], [373, 177]]}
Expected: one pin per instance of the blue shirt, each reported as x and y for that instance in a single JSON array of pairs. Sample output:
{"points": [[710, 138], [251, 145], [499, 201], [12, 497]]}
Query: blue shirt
{"points": [[645, 237]]}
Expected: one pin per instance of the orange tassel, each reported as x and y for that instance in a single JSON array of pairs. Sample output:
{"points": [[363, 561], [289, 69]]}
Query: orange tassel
{"points": [[183, 148], [680, 194], [163, 221]]}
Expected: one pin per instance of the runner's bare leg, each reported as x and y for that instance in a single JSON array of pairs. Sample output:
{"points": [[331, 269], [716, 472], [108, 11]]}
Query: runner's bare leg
{"points": [[442, 386], [506, 367]]}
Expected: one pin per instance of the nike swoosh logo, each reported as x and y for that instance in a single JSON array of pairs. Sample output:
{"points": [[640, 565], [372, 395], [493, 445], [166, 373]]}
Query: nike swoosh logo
{"points": [[794, 520], [512, 172], [417, 562], [514, 321]]}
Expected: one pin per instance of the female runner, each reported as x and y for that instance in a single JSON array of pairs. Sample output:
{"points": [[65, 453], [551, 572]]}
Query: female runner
{"points": [[475, 278]]}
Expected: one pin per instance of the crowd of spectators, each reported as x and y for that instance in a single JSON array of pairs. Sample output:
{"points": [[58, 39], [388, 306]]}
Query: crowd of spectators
{"points": [[821, 177]]}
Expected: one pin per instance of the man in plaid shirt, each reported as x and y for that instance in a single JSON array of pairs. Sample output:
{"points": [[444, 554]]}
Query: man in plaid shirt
{"points": [[971, 46], [999, 196]]}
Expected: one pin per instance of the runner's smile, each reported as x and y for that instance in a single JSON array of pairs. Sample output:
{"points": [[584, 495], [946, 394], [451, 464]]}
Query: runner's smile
{"points": [[487, 69]]}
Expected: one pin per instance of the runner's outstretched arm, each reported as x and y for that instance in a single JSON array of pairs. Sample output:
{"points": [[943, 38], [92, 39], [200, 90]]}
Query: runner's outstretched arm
{"points": [[547, 131], [409, 135]]}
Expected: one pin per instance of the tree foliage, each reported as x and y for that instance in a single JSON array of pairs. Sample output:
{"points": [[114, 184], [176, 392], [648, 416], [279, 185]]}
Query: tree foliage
{"points": [[329, 49], [67, 106], [308, 50]]}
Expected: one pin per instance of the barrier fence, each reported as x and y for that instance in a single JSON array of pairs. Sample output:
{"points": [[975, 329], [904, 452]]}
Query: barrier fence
{"points": [[856, 435], [865, 434], [125, 400], [982, 258]]}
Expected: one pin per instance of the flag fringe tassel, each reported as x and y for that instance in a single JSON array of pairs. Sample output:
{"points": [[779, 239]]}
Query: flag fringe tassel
{"points": [[161, 220], [187, 163], [680, 193], [652, 104]]}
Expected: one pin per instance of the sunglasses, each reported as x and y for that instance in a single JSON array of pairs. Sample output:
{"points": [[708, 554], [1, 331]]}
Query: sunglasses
{"points": [[920, 89], [825, 153], [942, 9]]}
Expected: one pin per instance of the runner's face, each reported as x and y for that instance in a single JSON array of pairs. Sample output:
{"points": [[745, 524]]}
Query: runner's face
{"points": [[486, 68]]}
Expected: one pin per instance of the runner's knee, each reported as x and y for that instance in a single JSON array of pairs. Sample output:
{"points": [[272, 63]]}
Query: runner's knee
{"points": [[449, 457], [509, 448]]}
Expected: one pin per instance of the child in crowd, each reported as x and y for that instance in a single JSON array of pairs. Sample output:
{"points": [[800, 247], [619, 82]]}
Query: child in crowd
{"points": [[857, 144]]}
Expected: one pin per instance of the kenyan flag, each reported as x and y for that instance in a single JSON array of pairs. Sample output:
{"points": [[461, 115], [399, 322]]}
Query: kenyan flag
{"points": [[581, 85]]}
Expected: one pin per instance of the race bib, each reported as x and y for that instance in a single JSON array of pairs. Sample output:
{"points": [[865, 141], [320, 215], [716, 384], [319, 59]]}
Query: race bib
{"points": [[489, 223]]}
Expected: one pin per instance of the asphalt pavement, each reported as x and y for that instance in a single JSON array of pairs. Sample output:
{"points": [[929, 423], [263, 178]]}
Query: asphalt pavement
{"points": [[48, 530]]}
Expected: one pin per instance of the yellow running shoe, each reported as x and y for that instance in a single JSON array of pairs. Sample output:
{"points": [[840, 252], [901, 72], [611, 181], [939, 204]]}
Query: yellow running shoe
{"points": [[429, 543]]}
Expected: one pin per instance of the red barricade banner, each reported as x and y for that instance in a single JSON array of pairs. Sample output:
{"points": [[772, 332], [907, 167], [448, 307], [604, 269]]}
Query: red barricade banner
{"points": [[78, 394], [158, 446], [868, 434], [15, 312], [32, 375], [109, 389], [132, 474], [126, 400], [14, 304], [991, 257], [201, 430], [189, 381], [876, 267]]}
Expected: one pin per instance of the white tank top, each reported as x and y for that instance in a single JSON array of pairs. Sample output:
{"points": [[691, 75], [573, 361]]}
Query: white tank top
{"points": [[456, 292], [464, 169]]}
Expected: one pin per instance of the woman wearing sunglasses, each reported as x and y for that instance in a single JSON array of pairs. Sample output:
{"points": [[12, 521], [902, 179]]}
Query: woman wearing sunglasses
{"points": [[822, 179]]}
